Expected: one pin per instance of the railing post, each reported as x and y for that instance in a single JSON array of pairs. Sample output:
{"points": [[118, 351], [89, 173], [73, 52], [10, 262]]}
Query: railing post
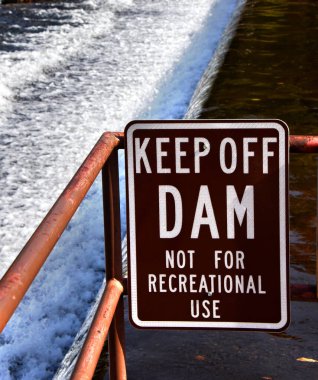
{"points": [[316, 227], [85, 367], [113, 253]]}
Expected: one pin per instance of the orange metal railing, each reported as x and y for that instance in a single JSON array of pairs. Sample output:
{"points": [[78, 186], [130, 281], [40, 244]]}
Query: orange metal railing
{"points": [[109, 317], [96, 337], [24, 269]]}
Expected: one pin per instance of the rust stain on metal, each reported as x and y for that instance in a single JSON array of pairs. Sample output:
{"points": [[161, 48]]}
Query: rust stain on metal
{"points": [[93, 345], [121, 138], [303, 144], [13, 280], [116, 336]]}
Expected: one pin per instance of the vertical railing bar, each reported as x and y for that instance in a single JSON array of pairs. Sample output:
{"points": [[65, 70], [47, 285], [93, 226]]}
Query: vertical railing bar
{"points": [[113, 253], [317, 227], [87, 362]]}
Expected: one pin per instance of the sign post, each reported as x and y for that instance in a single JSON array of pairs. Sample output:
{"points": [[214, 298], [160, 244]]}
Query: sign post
{"points": [[208, 224]]}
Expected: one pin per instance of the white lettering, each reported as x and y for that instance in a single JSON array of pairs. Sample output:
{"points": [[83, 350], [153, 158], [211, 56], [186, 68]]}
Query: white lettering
{"points": [[204, 203], [169, 259], [205, 305], [215, 309], [152, 283], [161, 153], [200, 153], [267, 153], [246, 206], [180, 153], [239, 284], [239, 260], [192, 279], [203, 288], [171, 288], [228, 284], [217, 258], [195, 308], [162, 282], [140, 152], [228, 259], [224, 143], [182, 283], [250, 285], [247, 153], [260, 290], [163, 191], [181, 258]]}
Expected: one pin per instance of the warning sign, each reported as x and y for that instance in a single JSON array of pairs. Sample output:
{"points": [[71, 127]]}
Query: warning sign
{"points": [[208, 224]]}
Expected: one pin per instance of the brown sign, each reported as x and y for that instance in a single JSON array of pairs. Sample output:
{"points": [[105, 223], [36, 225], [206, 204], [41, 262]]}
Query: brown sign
{"points": [[208, 224]]}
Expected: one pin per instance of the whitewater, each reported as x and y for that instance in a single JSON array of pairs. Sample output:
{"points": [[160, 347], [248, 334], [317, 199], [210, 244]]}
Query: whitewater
{"points": [[68, 72]]}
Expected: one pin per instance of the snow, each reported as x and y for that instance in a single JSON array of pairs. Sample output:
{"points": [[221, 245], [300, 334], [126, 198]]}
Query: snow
{"points": [[98, 66]]}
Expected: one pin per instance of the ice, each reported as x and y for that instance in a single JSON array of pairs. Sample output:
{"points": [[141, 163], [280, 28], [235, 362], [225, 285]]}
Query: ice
{"points": [[95, 68]]}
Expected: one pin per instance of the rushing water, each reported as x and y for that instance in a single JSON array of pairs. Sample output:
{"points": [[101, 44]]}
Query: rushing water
{"points": [[68, 72], [270, 71]]}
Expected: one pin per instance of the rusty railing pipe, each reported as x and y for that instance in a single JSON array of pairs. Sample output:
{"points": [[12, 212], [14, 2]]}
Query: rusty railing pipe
{"points": [[121, 138], [24, 269], [97, 334], [112, 227], [303, 144]]}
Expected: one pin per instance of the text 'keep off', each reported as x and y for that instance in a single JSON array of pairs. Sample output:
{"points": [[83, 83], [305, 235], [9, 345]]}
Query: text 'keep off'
{"points": [[208, 224]]}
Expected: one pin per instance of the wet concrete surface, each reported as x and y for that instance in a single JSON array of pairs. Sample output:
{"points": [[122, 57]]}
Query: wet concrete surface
{"points": [[227, 355]]}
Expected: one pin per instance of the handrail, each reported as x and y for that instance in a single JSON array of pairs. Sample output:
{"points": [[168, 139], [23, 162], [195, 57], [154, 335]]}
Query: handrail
{"points": [[114, 266], [24, 269], [94, 342], [303, 144], [26, 266]]}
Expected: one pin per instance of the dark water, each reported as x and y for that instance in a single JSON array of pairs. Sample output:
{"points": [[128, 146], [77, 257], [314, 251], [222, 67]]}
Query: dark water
{"points": [[271, 71]]}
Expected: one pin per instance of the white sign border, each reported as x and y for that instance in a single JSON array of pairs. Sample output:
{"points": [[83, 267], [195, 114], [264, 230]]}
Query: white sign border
{"points": [[211, 124]]}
